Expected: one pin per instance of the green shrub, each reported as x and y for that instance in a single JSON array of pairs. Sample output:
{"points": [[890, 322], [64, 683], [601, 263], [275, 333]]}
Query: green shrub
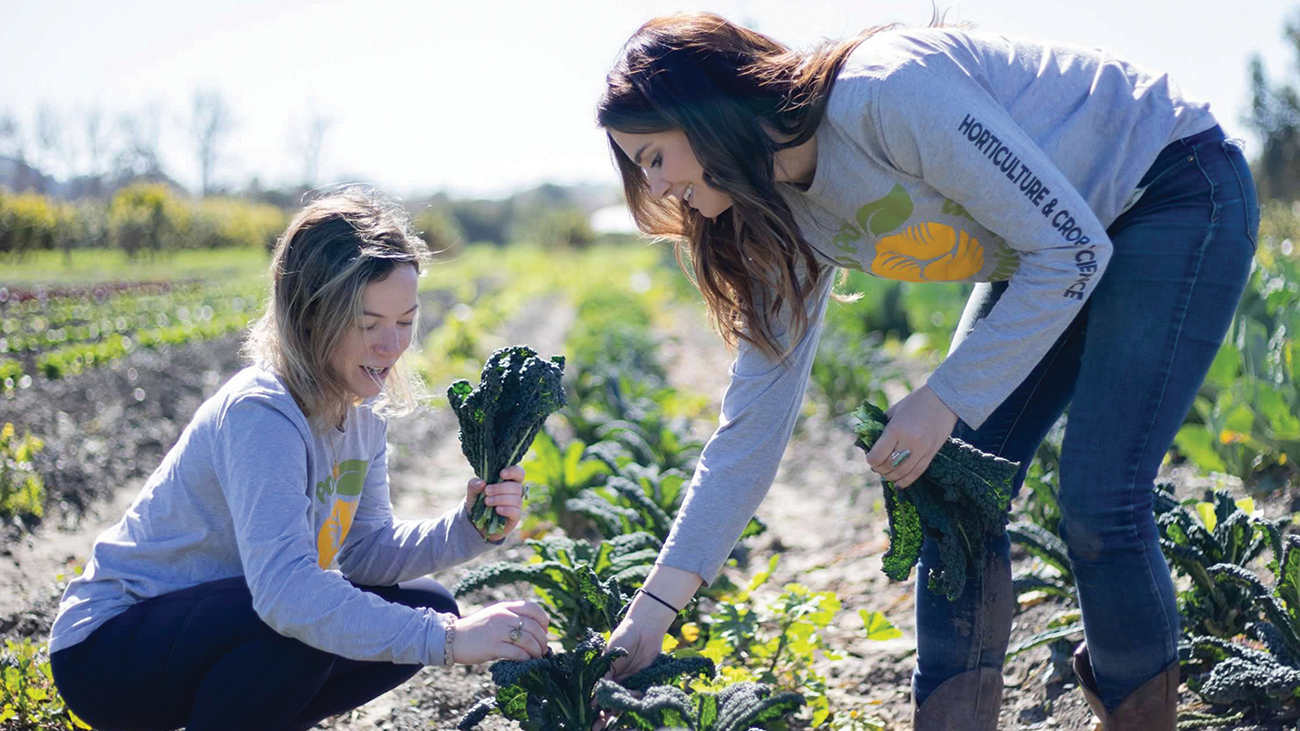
{"points": [[22, 491], [31, 702]]}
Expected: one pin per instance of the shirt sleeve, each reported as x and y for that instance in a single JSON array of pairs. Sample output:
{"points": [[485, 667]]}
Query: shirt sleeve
{"points": [[382, 550], [739, 461], [261, 457], [937, 123]]}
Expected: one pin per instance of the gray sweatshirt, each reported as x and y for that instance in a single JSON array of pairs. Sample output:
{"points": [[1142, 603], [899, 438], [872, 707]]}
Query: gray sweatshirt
{"points": [[250, 490], [946, 156]]}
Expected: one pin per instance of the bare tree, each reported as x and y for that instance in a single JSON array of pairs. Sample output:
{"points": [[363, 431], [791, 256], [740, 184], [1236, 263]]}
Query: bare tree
{"points": [[138, 153], [53, 149], [12, 143], [95, 134], [209, 125], [309, 141]]}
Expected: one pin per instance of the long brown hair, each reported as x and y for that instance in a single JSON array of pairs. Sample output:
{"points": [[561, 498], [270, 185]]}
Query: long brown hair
{"points": [[735, 93], [333, 248]]}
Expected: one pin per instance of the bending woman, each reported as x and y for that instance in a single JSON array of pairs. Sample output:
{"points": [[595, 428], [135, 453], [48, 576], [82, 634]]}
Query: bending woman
{"points": [[260, 580], [1111, 227]]}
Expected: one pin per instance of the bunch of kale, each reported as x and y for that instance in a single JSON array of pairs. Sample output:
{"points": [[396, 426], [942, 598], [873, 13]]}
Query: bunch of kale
{"points": [[499, 419], [961, 500]]}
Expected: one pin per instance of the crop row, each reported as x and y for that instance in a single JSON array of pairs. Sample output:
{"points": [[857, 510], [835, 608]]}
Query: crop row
{"points": [[63, 336]]}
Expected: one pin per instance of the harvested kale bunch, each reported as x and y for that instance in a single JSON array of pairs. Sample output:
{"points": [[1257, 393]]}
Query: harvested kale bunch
{"points": [[961, 500], [499, 419]]}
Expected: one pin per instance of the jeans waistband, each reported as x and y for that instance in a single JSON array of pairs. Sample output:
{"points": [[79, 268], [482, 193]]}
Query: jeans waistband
{"points": [[1178, 148]]}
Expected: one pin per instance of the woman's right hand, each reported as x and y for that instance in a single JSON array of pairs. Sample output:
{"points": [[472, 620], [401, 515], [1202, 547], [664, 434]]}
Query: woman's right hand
{"points": [[642, 631], [485, 634]]}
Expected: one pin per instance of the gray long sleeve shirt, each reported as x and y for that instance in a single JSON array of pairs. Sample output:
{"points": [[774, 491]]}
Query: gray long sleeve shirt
{"points": [[250, 490], [946, 156]]}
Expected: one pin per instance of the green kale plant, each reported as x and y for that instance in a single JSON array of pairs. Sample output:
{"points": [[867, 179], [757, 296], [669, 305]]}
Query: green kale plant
{"points": [[554, 692], [636, 497], [1198, 536], [557, 476], [581, 585], [960, 501], [743, 706], [499, 418], [1263, 674]]}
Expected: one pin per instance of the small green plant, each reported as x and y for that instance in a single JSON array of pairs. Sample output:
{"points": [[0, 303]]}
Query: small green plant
{"points": [[741, 706], [775, 642], [582, 586], [1262, 674], [500, 417], [1197, 536], [960, 501], [559, 476], [31, 702], [22, 491], [555, 692]]}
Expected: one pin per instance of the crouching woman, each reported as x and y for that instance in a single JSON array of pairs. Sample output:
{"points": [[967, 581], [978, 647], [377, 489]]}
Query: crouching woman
{"points": [[260, 579]]}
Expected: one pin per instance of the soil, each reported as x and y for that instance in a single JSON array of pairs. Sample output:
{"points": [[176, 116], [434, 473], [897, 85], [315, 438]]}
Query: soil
{"points": [[105, 430]]}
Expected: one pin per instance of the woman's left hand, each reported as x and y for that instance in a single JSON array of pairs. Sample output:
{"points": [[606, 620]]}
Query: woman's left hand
{"points": [[918, 426], [506, 497]]}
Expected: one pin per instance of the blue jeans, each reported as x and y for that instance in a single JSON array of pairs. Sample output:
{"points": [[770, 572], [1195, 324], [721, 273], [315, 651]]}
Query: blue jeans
{"points": [[1128, 367], [201, 658]]}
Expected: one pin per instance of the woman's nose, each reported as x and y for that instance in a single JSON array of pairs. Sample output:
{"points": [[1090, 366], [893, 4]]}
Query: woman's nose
{"points": [[388, 342], [658, 186]]}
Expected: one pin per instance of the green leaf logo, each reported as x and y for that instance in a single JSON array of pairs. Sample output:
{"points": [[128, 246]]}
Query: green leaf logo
{"points": [[888, 213]]}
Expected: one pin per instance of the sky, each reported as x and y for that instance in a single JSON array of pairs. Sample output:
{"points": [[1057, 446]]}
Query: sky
{"points": [[485, 97]]}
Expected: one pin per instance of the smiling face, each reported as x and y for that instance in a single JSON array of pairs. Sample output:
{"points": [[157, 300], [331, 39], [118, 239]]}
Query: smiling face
{"points": [[369, 351], [672, 169]]}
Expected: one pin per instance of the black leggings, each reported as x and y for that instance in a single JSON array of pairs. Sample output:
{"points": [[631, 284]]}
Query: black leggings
{"points": [[201, 658]]}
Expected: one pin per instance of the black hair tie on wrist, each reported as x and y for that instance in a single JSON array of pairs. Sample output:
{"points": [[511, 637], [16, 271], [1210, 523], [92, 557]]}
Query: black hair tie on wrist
{"points": [[661, 601]]}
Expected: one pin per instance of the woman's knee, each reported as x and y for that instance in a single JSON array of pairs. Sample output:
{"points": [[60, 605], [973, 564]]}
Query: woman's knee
{"points": [[422, 592], [1094, 527]]}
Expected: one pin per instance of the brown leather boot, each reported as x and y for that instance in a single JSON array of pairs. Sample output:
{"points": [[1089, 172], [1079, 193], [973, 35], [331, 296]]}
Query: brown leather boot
{"points": [[971, 701], [1152, 707]]}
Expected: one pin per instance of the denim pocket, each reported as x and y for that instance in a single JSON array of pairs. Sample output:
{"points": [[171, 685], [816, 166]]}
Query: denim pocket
{"points": [[1246, 185], [1157, 173]]}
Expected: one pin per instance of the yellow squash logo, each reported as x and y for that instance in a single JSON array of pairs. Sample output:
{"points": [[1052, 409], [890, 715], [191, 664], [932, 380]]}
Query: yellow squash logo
{"points": [[345, 485]]}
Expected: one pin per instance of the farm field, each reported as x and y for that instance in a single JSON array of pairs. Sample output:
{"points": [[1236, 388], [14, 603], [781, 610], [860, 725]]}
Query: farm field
{"points": [[106, 370]]}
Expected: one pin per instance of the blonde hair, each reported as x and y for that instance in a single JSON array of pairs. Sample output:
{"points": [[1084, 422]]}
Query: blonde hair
{"points": [[334, 247]]}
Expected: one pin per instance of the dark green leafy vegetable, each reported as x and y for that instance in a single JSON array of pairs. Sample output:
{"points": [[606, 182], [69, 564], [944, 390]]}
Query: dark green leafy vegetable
{"points": [[554, 692], [583, 587], [499, 419], [739, 707], [961, 500]]}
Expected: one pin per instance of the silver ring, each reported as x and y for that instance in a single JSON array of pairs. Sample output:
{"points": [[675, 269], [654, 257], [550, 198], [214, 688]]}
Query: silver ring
{"points": [[517, 633], [898, 457]]}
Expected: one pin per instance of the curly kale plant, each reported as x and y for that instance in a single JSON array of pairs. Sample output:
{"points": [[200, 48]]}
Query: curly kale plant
{"points": [[554, 692], [1263, 675], [499, 419], [961, 500], [582, 586], [739, 707], [1195, 537]]}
